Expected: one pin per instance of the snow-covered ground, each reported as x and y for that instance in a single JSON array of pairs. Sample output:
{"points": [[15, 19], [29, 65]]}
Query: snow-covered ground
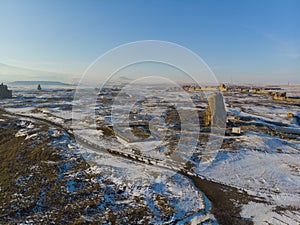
{"points": [[264, 165], [161, 190]]}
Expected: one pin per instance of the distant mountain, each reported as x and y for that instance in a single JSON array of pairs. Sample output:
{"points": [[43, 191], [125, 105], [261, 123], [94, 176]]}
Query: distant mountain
{"points": [[124, 78], [45, 83], [9, 73]]}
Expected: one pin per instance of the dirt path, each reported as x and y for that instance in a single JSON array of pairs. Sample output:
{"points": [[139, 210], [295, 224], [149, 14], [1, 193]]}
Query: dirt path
{"points": [[226, 201]]}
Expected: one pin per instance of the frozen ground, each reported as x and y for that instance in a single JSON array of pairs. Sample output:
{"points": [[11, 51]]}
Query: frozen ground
{"points": [[163, 195], [264, 160]]}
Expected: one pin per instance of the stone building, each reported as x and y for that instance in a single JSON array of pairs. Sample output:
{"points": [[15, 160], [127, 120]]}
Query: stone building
{"points": [[191, 88], [223, 87], [279, 96], [282, 96], [4, 92]]}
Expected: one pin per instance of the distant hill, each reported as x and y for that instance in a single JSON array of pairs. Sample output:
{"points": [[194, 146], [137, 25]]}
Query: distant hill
{"points": [[9, 73], [45, 83]]}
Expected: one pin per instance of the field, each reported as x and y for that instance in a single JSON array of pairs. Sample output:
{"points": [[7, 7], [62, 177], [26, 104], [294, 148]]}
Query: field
{"points": [[77, 161]]}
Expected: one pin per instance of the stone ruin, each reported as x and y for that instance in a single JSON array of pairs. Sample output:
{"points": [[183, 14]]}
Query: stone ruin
{"points": [[4, 92], [215, 115]]}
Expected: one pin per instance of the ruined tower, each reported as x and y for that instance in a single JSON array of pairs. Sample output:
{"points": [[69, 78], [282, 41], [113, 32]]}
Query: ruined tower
{"points": [[4, 92], [215, 115]]}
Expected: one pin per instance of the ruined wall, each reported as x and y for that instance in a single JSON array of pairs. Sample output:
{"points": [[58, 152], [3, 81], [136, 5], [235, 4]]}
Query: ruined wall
{"points": [[4, 92]]}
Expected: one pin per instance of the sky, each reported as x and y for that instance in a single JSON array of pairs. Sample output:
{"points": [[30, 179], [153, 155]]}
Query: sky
{"points": [[241, 41]]}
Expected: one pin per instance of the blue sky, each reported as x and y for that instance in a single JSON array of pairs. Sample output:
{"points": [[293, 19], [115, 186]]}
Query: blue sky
{"points": [[242, 41]]}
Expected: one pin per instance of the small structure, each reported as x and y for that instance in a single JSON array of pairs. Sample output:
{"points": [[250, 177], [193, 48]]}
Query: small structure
{"points": [[191, 88], [244, 90], [39, 87], [293, 99], [279, 96], [222, 87], [283, 97], [290, 115], [4, 92], [236, 130], [258, 90]]}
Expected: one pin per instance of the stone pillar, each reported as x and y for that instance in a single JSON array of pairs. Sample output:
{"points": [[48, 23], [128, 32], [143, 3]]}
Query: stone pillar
{"points": [[215, 113]]}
